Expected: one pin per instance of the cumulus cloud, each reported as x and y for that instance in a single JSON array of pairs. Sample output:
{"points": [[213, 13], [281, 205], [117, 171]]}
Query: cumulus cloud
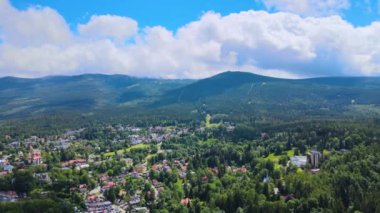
{"points": [[32, 27], [109, 26], [309, 7], [275, 44]]}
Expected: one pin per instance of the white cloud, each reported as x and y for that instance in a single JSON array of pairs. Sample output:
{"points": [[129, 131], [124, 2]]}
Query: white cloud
{"points": [[309, 7], [109, 26], [35, 26], [279, 44]]}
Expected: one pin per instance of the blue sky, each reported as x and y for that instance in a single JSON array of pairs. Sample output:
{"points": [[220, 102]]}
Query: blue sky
{"points": [[169, 13], [175, 13], [190, 39]]}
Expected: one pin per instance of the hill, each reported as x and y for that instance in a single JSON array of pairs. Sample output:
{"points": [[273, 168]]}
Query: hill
{"points": [[234, 94], [85, 93], [240, 93]]}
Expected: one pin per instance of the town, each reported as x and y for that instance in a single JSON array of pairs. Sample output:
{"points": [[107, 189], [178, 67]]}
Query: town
{"points": [[124, 168]]}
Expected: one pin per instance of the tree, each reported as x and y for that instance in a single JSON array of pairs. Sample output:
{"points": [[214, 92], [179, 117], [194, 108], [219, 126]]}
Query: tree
{"points": [[111, 194], [23, 181]]}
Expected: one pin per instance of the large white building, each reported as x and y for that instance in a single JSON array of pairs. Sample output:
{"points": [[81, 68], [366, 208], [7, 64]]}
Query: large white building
{"points": [[299, 161], [315, 158]]}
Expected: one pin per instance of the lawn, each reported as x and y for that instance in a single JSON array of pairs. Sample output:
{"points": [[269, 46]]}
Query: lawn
{"points": [[208, 141], [209, 124], [277, 166], [290, 153], [150, 156], [121, 151], [273, 157], [325, 152]]}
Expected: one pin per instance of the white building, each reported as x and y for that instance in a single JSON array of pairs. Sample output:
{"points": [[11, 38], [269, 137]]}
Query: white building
{"points": [[315, 158], [299, 161]]}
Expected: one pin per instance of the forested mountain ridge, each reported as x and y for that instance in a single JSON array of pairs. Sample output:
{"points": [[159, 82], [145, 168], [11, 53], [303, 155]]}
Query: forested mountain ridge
{"points": [[83, 93], [228, 92], [235, 81], [249, 94], [230, 143]]}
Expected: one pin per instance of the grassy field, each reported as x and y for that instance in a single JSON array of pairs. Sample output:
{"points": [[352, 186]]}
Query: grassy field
{"points": [[208, 141], [275, 158], [290, 153], [209, 124], [150, 156], [121, 151], [325, 152]]}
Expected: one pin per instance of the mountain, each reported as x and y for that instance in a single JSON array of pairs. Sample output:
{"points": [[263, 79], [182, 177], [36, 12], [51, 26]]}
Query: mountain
{"points": [[84, 93], [229, 93], [217, 85], [244, 93]]}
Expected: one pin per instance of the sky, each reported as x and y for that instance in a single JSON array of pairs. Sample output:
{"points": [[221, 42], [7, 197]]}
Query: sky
{"points": [[190, 39]]}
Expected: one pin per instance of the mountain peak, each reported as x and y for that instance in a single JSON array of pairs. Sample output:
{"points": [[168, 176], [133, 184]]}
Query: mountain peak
{"points": [[216, 85], [240, 74]]}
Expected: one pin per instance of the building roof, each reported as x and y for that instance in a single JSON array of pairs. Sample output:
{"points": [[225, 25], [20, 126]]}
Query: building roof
{"points": [[185, 201], [8, 168], [299, 160]]}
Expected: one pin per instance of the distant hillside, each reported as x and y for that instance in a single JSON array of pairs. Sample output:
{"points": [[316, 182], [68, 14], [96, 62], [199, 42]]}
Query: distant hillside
{"points": [[246, 93], [216, 85], [85, 93], [230, 93]]}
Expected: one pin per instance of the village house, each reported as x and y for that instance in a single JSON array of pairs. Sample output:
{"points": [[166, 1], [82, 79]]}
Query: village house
{"points": [[20, 154], [103, 178], [157, 167], [80, 166], [8, 196], [140, 210], [128, 161], [8, 168], [214, 170], [3, 162], [75, 162], [81, 188], [241, 170], [135, 139], [167, 168], [35, 156], [135, 129], [182, 174], [3, 174], [96, 205], [135, 200], [140, 168], [185, 201], [15, 144], [135, 175], [108, 186]]}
